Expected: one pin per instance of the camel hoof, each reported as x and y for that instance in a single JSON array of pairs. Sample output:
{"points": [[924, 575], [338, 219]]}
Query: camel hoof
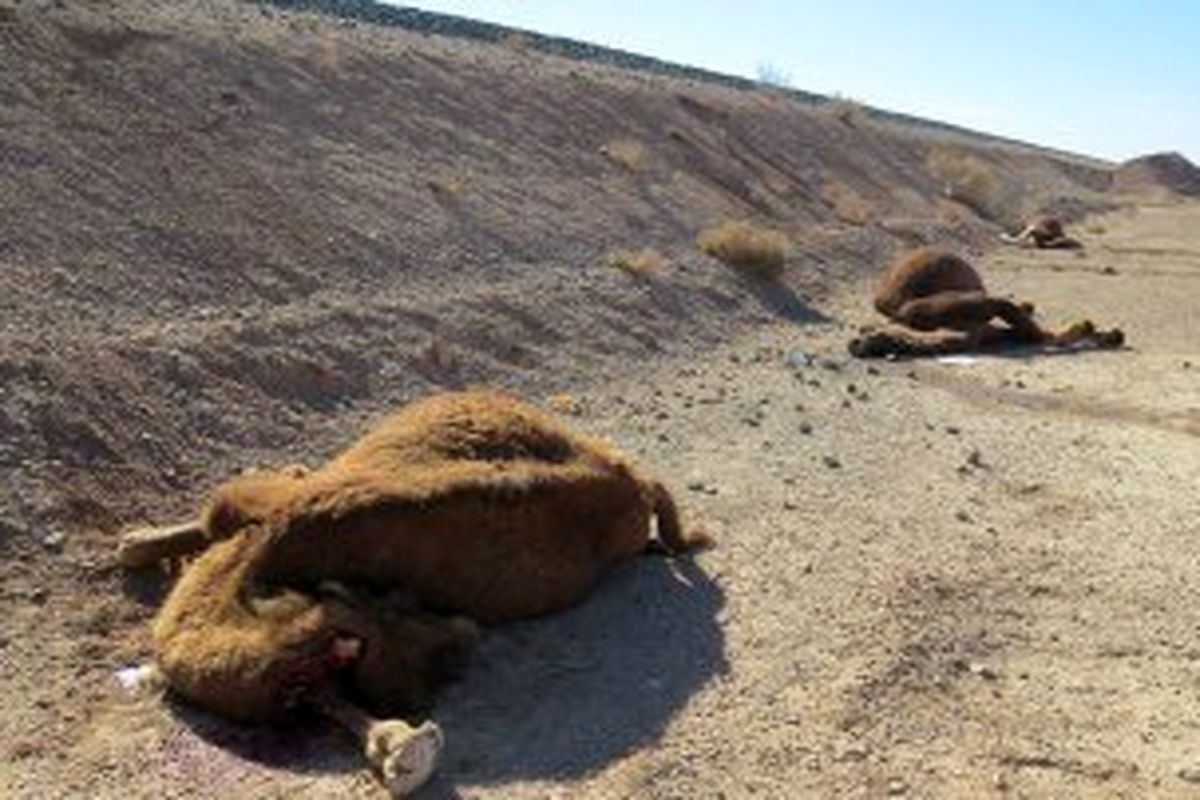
{"points": [[405, 757], [1110, 340], [146, 547]]}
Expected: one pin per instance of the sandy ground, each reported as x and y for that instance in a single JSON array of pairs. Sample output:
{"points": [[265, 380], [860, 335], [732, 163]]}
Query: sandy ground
{"points": [[931, 579], [229, 236]]}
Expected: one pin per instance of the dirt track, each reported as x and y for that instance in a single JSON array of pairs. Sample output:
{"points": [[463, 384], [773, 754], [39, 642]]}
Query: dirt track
{"points": [[931, 579]]}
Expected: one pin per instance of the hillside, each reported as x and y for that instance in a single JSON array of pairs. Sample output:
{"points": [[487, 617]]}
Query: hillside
{"points": [[232, 235], [214, 213]]}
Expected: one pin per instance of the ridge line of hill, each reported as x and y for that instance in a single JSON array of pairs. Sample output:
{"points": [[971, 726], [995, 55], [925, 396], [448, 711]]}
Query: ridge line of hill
{"points": [[455, 26]]}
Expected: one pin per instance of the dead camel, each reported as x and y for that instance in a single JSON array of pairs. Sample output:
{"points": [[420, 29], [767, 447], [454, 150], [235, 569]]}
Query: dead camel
{"points": [[940, 306], [1044, 233], [363, 580]]}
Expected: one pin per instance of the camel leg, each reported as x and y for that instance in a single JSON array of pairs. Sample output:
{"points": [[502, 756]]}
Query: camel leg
{"points": [[403, 756], [1085, 334], [145, 547], [895, 342], [1025, 329], [1024, 238]]}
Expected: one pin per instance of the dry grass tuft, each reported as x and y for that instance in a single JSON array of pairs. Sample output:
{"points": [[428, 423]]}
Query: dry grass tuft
{"points": [[518, 42], [643, 263], [847, 204], [969, 180], [628, 153], [757, 251], [850, 113]]}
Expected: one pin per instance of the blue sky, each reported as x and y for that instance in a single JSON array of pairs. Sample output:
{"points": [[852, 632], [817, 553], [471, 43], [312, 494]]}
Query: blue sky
{"points": [[1109, 78]]}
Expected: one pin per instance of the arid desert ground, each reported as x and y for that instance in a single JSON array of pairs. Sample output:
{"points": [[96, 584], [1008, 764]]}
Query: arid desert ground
{"points": [[958, 578]]}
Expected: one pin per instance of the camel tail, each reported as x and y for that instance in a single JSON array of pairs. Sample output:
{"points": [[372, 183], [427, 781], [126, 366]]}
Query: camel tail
{"points": [[670, 530]]}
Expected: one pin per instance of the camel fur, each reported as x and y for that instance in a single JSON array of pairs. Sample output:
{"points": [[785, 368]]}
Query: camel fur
{"points": [[462, 508], [939, 305]]}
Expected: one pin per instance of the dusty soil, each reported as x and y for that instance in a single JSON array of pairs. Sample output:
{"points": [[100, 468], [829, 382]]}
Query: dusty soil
{"points": [[229, 236]]}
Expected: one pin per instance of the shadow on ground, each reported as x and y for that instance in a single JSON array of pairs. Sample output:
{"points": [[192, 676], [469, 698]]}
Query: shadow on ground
{"points": [[560, 697], [556, 697], [782, 301]]}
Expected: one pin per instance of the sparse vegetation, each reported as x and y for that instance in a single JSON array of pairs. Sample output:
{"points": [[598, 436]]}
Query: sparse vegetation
{"points": [[845, 110], [518, 42], [847, 204], [969, 180], [773, 76], [642, 263], [761, 252], [628, 153]]}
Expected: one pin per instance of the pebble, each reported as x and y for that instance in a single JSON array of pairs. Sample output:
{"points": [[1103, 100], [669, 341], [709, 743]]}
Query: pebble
{"points": [[831, 462], [983, 671], [896, 786], [806, 428], [1190, 774]]}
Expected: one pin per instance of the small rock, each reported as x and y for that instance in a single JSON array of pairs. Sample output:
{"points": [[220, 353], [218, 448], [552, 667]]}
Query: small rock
{"points": [[806, 428], [831, 365], [831, 462], [1109, 271], [53, 541], [953, 430], [789, 505], [872, 371], [799, 358], [983, 671], [897, 786], [1190, 774], [962, 516]]}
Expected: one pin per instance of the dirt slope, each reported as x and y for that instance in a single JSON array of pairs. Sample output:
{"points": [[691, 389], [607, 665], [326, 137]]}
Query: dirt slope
{"points": [[230, 236]]}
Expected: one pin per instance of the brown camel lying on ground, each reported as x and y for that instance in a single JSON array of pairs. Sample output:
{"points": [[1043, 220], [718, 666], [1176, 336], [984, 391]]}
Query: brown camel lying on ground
{"points": [[940, 306], [1044, 233], [348, 581]]}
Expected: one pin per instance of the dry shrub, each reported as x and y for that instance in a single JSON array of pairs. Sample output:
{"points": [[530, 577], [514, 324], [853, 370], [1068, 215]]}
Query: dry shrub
{"points": [[970, 181], [565, 404], [848, 205], [643, 263], [850, 113], [745, 246], [628, 153], [518, 42]]}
